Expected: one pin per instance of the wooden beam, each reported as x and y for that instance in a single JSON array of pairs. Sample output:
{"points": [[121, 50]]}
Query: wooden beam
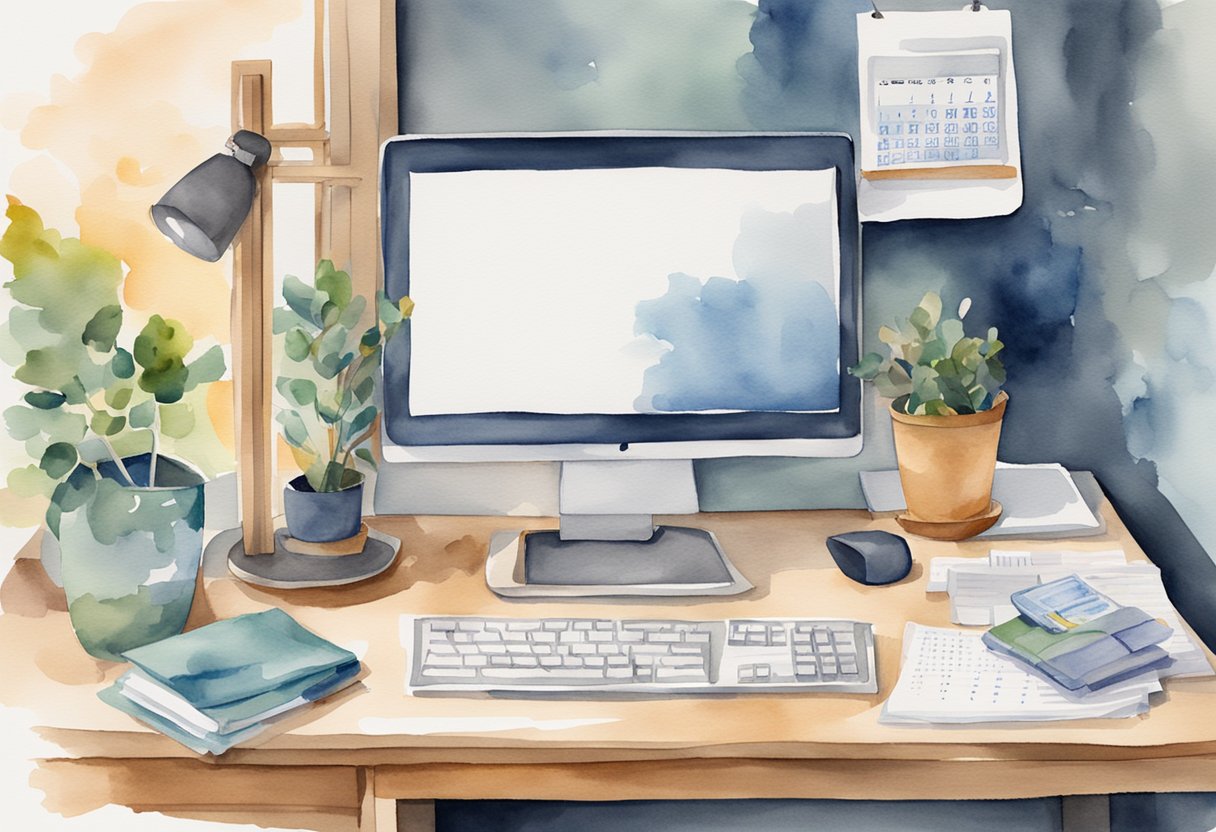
{"points": [[340, 84], [318, 64], [851, 779], [75, 786], [376, 812], [309, 173], [288, 134], [252, 279], [389, 73]]}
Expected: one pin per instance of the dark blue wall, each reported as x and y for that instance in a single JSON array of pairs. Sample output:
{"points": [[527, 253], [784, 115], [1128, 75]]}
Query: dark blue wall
{"points": [[1056, 277]]}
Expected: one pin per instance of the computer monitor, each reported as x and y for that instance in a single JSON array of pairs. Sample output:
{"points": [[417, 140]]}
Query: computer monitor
{"points": [[624, 304]]}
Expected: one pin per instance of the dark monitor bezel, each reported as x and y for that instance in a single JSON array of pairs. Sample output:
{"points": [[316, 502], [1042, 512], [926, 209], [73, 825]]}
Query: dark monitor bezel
{"points": [[564, 152]]}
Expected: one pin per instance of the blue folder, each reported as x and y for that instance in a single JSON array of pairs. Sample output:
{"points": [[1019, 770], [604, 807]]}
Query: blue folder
{"points": [[221, 684]]}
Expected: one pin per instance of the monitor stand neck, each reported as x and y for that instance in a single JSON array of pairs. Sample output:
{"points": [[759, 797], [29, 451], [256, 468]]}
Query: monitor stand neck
{"points": [[616, 500]]}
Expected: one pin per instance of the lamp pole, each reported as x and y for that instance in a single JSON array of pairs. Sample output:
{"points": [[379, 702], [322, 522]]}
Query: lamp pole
{"points": [[252, 300]]}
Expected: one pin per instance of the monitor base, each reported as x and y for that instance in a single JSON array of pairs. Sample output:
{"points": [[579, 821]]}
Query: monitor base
{"points": [[676, 562]]}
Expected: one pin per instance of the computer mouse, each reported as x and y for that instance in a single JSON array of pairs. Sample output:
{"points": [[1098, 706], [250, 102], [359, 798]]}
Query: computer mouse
{"points": [[871, 557]]}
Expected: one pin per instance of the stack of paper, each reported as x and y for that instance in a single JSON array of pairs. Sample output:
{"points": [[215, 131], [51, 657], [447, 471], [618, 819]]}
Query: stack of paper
{"points": [[980, 588], [221, 684], [1052, 561], [950, 676]]}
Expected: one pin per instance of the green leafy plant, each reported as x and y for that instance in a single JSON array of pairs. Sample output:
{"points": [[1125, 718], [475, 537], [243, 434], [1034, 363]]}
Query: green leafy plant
{"points": [[934, 368], [91, 402], [328, 374]]}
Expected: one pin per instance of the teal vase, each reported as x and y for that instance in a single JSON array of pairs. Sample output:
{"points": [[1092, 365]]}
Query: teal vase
{"points": [[130, 555]]}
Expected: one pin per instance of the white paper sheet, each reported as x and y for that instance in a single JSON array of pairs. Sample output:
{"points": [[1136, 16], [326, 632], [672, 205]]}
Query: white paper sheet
{"points": [[1068, 561], [950, 676]]}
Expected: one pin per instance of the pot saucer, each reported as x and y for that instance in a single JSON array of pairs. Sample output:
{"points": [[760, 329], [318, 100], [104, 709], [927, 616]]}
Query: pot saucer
{"points": [[333, 549], [286, 569], [951, 529]]}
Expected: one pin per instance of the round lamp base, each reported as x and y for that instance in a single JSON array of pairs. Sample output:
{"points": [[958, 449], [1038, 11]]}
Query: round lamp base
{"points": [[286, 569]]}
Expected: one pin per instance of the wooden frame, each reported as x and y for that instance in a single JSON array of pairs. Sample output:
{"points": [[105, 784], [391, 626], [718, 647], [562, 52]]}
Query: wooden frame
{"points": [[343, 169]]}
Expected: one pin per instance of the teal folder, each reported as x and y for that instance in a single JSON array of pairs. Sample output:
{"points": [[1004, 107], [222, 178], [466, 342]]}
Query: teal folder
{"points": [[209, 743], [238, 658], [238, 715], [221, 684]]}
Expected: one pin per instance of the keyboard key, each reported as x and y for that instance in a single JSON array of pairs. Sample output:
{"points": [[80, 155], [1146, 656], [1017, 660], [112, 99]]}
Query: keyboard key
{"points": [[681, 661], [450, 672], [679, 674]]}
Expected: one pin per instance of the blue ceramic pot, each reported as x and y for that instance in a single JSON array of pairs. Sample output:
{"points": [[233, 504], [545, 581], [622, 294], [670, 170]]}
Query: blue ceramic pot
{"points": [[322, 516], [130, 555]]}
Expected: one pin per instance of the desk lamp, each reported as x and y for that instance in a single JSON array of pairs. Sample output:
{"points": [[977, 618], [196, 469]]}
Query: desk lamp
{"points": [[201, 215]]}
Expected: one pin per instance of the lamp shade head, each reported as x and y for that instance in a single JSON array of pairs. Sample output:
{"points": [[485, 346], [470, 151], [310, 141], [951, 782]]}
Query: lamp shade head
{"points": [[205, 209]]}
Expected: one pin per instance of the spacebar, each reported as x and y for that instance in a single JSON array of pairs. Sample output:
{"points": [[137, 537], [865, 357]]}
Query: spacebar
{"points": [[524, 676]]}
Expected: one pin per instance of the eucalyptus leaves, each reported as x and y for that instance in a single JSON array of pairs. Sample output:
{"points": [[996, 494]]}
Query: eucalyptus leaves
{"points": [[93, 405], [934, 368], [328, 376]]}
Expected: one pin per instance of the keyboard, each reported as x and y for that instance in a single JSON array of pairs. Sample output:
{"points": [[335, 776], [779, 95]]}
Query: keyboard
{"points": [[591, 655]]}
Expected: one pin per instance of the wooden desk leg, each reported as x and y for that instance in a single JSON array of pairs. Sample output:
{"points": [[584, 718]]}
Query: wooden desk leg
{"points": [[378, 813]]}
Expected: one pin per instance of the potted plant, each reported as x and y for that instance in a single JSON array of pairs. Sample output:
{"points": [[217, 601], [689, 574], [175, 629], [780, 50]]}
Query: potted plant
{"points": [[328, 382], [946, 410], [95, 421]]}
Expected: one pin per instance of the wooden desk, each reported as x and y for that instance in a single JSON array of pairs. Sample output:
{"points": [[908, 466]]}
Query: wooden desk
{"points": [[347, 759]]}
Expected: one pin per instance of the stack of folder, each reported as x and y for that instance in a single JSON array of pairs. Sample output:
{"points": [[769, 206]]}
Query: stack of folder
{"points": [[222, 684], [1079, 639], [1120, 645]]}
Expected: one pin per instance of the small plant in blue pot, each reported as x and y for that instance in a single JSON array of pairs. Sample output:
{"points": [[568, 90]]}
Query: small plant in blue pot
{"points": [[95, 420], [327, 381]]}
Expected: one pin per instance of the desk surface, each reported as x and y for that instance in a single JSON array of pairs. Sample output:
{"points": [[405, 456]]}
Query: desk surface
{"points": [[754, 739]]}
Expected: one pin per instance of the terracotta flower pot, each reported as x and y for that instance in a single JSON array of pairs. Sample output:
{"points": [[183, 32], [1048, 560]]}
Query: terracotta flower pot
{"points": [[946, 464]]}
